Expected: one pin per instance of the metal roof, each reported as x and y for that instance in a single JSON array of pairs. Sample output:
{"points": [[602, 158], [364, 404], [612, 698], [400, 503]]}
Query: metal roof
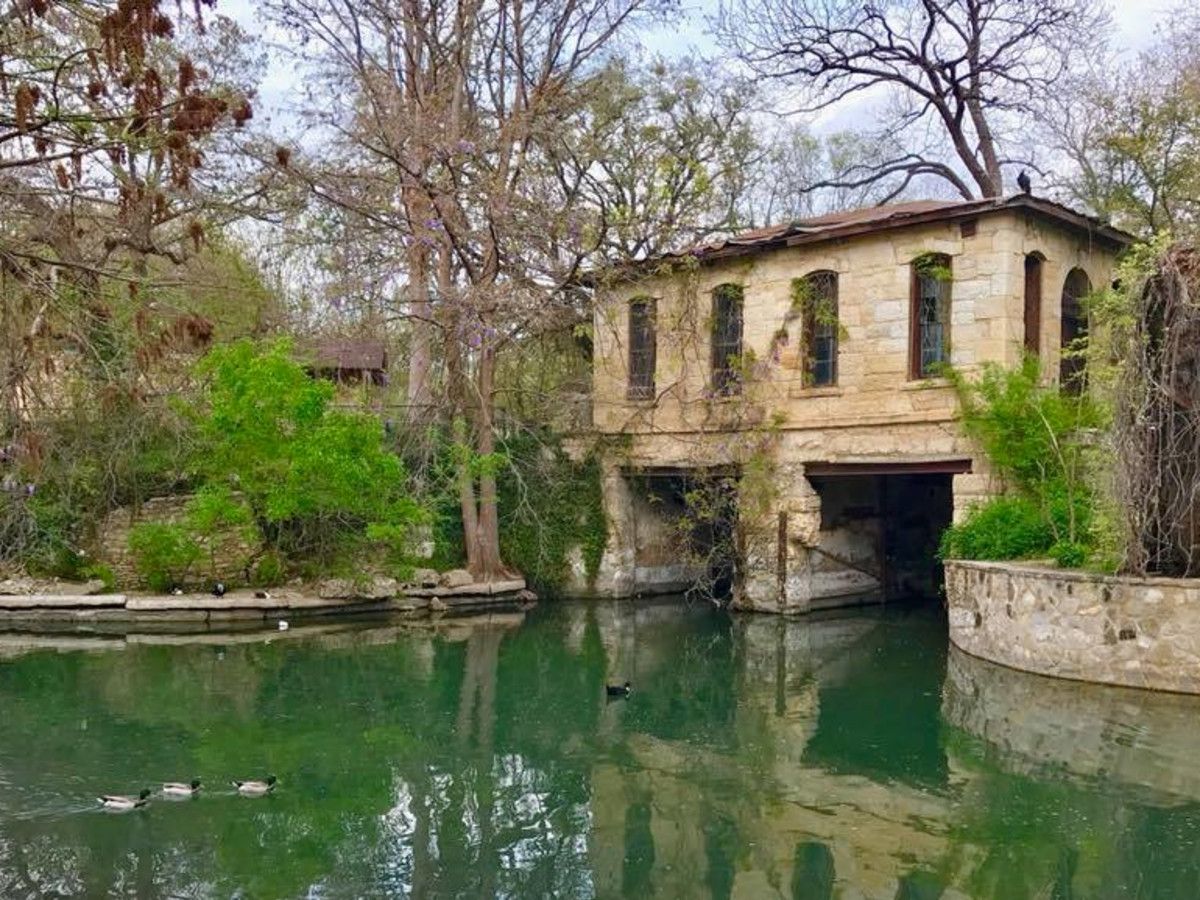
{"points": [[871, 219]]}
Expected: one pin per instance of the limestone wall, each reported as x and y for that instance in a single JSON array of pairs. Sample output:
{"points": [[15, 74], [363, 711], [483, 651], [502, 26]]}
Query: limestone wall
{"points": [[1135, 632], [873, 388], [226, 559]]}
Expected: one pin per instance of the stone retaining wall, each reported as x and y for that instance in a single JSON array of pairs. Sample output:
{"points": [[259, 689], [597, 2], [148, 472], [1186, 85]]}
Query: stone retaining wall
{"points": [[1138, 632], [226, 559]]}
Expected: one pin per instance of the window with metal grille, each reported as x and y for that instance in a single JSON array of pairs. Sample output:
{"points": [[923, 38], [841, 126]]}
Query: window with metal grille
{"points": [[929, 319], [821, 329], [642, 348], [727, 340]]}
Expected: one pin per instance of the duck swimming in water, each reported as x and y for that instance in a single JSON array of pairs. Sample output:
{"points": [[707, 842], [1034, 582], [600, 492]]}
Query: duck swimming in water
{"points": [[255, 788], [117, 803], [618, 690], [179, 789]]}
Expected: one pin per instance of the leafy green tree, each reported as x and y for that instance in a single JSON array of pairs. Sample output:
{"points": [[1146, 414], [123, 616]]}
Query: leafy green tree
{"points": [[315, 479]]}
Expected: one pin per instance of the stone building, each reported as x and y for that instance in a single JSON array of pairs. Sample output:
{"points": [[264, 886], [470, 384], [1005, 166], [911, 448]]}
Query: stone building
{"points": [[789, 382]]}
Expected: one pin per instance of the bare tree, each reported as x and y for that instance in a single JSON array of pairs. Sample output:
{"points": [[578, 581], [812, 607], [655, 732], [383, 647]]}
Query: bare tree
{"points": [[461, 107], [105, 117], [960, 75]]}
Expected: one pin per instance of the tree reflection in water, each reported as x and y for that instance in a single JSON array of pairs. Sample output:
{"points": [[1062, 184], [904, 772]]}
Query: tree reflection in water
{"points": [[841, 756]]}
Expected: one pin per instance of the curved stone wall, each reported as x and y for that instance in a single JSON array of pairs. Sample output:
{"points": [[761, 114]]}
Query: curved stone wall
{"points": [[1138, 632]]}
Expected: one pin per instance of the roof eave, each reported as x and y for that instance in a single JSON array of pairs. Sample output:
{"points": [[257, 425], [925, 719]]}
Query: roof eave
{"points": [[972, 209]]}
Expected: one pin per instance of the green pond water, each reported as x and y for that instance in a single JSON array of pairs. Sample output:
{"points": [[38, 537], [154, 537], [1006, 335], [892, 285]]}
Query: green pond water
{"points": [[848, 756]]}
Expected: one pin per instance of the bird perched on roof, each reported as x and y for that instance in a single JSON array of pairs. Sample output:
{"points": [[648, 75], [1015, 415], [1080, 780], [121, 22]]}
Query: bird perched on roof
{"points": [[1024, 183]]}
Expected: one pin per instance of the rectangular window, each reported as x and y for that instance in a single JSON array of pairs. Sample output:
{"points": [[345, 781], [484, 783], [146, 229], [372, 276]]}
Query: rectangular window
{"points": [[642, 349], [930, 316], [821, 329], [727, 340]]}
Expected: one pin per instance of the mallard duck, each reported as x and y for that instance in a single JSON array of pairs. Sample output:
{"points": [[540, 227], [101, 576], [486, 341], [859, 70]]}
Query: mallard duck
{"points": [[124, 804], [177, 591], [618, 690], [262, 595], [179, 789], [255, 788]]}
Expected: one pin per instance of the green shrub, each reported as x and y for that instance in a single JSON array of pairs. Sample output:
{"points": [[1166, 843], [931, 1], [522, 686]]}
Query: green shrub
{"points": [[1037, 439], [549, 505], [1069, 555], [102, 451], [318, 482], [215, 518], [269, 571], [1001, 528], [104, 573], [162, 554]]}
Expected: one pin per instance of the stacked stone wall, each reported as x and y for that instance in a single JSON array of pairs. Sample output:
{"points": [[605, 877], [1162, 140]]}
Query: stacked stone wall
{"points": [[1138, 632], [230, 550]]}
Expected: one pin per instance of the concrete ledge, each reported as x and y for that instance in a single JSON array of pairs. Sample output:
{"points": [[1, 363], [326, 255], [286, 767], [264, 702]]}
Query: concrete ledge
{"points": [[241, 605], [478, 589], [53, 601], [1136, 632]]}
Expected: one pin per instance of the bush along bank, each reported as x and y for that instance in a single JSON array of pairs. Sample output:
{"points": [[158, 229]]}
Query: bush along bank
{"points": [[1046, 446]]}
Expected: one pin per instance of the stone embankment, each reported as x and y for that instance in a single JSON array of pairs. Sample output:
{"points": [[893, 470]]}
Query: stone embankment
{"points": [[22, 600], [1137, 632]]}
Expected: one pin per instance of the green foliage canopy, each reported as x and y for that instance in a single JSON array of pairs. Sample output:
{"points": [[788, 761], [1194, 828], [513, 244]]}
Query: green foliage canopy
{"points": [[267, 429], [308, 482]]}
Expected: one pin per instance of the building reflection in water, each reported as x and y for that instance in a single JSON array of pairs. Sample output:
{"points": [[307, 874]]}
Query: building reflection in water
{"points": [[846, 756]]}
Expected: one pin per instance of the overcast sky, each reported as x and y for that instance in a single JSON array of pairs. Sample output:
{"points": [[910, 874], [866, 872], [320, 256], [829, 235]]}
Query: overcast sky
{"points": [[1134, 24]]}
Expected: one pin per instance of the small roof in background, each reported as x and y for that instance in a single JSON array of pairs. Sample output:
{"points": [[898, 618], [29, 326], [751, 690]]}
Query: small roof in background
{"points": [[345, 353]]}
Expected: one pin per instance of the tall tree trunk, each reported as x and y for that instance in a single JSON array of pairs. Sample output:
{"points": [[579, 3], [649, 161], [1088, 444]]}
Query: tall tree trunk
{"points": [[487, 563], [419, 310]]}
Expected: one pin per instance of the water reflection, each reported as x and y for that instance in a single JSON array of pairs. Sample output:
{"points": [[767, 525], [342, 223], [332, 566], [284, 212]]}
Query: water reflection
{"points": [[840, 757], [1125, 742]]}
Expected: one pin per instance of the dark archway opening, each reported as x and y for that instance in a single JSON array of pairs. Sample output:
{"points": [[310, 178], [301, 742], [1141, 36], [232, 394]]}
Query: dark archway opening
{"points": [[879, 536], [685, 521]]}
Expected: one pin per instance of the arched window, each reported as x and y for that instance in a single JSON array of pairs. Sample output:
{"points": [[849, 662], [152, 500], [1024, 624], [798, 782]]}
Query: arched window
{"points": [[821, 329], [929, 315], [727, 340], [1071, 372], [642, 348], [1033, 303]]}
